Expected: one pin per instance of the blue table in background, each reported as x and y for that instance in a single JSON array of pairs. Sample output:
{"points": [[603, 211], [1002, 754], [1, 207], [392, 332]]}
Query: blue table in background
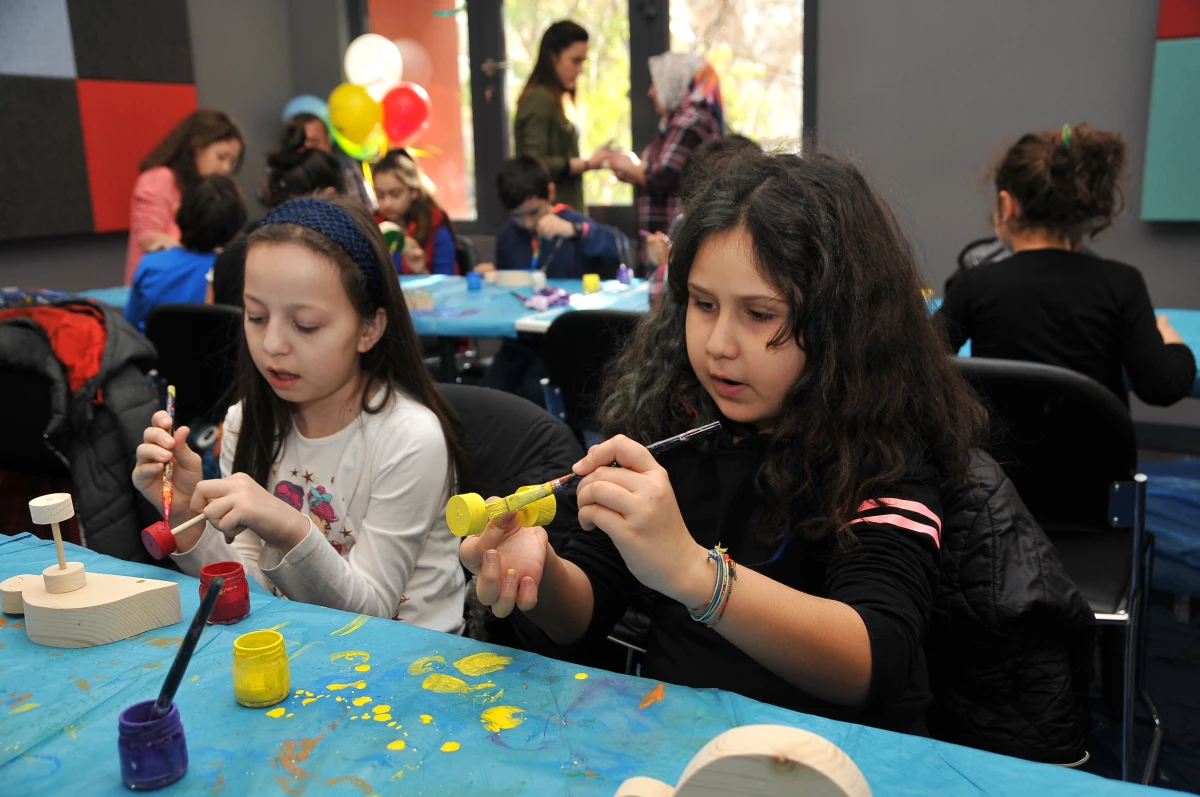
{"points": [[491, 312], [582, 731]]}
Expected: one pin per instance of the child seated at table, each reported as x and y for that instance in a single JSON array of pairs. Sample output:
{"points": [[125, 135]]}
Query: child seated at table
{"points": [[210, 215], [405, 199], [794, 317], [556, 239], [339, 457], [1050, 302], [294, 170]]}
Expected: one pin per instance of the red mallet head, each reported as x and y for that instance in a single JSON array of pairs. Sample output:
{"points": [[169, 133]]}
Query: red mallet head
{"points": [[159, 540]]}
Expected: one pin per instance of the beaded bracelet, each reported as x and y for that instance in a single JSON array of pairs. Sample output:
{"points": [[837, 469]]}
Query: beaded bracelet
{"points": [[711, 613]]}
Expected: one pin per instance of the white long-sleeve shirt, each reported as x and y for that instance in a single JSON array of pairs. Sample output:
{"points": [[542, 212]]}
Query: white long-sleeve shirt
{"points": [[375, 494]]}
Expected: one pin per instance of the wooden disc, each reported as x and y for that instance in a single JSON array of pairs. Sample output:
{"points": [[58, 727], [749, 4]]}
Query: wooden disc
{"points": [[58, 580], [10, 594], [53, 508]]}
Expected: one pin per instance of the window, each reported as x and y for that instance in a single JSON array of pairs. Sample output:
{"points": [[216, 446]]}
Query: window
{"points": [[602, 96], [756, 46]]}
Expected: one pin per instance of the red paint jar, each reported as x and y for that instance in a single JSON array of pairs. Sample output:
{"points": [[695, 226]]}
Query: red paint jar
{"points": [[233, 604]]}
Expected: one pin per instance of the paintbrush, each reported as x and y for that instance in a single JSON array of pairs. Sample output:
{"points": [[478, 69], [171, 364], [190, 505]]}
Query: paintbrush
{"points": [[470, 524], [168, 491], [186, 649]]}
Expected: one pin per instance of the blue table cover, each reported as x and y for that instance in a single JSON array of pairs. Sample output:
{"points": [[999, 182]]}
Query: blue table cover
{"points": [[581, 731], [491, 312]]}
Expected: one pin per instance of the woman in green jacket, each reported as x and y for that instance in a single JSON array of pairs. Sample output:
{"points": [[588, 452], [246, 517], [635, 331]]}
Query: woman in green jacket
{"points": [[545, 126]]}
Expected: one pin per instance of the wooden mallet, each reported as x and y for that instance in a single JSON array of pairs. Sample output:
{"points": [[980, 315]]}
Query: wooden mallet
{"points": [[159, 538]]}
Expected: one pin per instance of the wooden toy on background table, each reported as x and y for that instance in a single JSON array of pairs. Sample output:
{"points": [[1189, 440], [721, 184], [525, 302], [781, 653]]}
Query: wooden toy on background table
{"points": [[70, 608], [761, 761], [468, 514]]}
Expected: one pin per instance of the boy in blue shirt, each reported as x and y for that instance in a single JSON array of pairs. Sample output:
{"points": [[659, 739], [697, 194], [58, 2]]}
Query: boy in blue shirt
{"points": [[567, 245], [210, 214]]}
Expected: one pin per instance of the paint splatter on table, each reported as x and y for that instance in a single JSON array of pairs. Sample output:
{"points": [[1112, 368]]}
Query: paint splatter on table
{"points": [[378, 707]]}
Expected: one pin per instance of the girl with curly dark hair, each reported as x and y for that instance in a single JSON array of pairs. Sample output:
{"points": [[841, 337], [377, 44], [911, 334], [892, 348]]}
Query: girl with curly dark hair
{"points": [[793, 556]]}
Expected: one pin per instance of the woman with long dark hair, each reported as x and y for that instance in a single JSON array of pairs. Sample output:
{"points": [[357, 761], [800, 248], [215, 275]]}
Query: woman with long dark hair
{"points": [[545, 123], [205, 142]]}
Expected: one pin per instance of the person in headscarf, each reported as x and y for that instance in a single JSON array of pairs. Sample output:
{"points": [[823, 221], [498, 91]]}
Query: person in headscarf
{"points": [[687, 95]]}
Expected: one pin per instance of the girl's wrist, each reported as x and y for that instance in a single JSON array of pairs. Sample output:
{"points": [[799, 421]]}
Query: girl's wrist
{"points": [[695, 578]]}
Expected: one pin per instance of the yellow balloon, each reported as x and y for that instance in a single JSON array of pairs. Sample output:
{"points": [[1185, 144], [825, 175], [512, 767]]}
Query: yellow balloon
{"points": [[354, 112]]}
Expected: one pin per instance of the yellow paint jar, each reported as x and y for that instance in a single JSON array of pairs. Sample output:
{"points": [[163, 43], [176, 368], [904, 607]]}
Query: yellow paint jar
{"points": [[591, 283], [261, 676]]}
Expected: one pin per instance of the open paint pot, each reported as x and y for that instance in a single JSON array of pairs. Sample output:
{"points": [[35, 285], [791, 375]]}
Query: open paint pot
{"points": [[261, 676], [153, 751], [233, 605]]}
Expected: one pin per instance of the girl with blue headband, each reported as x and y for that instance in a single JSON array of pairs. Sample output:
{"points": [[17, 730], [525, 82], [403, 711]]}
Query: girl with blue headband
{"points": [[340, 453]]}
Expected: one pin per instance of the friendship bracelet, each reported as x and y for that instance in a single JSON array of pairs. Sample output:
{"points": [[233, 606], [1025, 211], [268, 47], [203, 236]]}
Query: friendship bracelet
{"points": [[711, 613]]}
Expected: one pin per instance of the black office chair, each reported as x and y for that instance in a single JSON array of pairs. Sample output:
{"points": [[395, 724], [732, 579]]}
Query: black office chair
{"points": [[577, 348], [197, 352], [1066, 441]]}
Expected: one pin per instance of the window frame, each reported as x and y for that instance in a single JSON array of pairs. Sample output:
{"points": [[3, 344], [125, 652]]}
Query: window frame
{"points": [[649, 34]]}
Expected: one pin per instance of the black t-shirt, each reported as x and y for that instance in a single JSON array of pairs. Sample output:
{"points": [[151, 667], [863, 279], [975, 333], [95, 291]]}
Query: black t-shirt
{"points": [[889, 577], [1072, 310]]}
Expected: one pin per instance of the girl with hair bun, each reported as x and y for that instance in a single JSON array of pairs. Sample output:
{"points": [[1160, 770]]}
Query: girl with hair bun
{"points": [[1052, 303]]}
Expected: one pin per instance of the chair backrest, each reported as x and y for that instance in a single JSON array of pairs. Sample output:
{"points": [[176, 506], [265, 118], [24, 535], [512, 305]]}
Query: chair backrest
{"points": [[514, 443], [26, 405], [1062, 438], [197, 352], [577, 349], [466, 254]]}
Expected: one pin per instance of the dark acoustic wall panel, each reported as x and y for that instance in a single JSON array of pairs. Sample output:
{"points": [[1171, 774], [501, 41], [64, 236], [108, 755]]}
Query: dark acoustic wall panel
{"points": [[43, 174], [142, 40]]}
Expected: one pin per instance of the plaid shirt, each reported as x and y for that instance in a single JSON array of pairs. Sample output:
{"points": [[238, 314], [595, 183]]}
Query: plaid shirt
{"points": [[658, 201]]}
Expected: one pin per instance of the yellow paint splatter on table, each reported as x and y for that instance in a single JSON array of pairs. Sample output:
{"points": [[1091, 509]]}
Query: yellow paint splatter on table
{"points": [[448, 684], [399, 744], [308, 700], [360, 701], [350, 655], [581, 676], [382, 708], [352, 626], [426, 719], [382, 717], [277, 712], [451, 747], [425, 665], [482, 663], [351, 685], [284, 624], [501, 718], [24, 708]]}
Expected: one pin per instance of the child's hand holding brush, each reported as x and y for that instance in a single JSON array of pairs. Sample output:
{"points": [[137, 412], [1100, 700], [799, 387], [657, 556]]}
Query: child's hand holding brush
{"points": [[160, 446]]}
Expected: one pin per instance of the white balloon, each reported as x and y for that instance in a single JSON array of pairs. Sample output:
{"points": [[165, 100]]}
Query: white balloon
{"points": [[371, 59]]}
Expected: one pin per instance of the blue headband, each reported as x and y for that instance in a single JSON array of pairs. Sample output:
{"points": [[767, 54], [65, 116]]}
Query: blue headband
{"points": [[334, 223]]}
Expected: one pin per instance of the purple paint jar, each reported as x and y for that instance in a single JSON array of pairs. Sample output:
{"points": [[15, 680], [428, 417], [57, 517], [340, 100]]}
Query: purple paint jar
{"points": [[153, 751]]}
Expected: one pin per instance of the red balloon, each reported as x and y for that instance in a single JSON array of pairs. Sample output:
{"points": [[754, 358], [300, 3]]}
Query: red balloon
{"points": [[406, 112]]}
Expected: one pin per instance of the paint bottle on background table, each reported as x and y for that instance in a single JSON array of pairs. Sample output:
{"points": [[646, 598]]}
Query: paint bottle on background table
{"points": [[261, 676], [537, 281], [591, 283], [233, 605], [153, 751], [624, 274]]}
